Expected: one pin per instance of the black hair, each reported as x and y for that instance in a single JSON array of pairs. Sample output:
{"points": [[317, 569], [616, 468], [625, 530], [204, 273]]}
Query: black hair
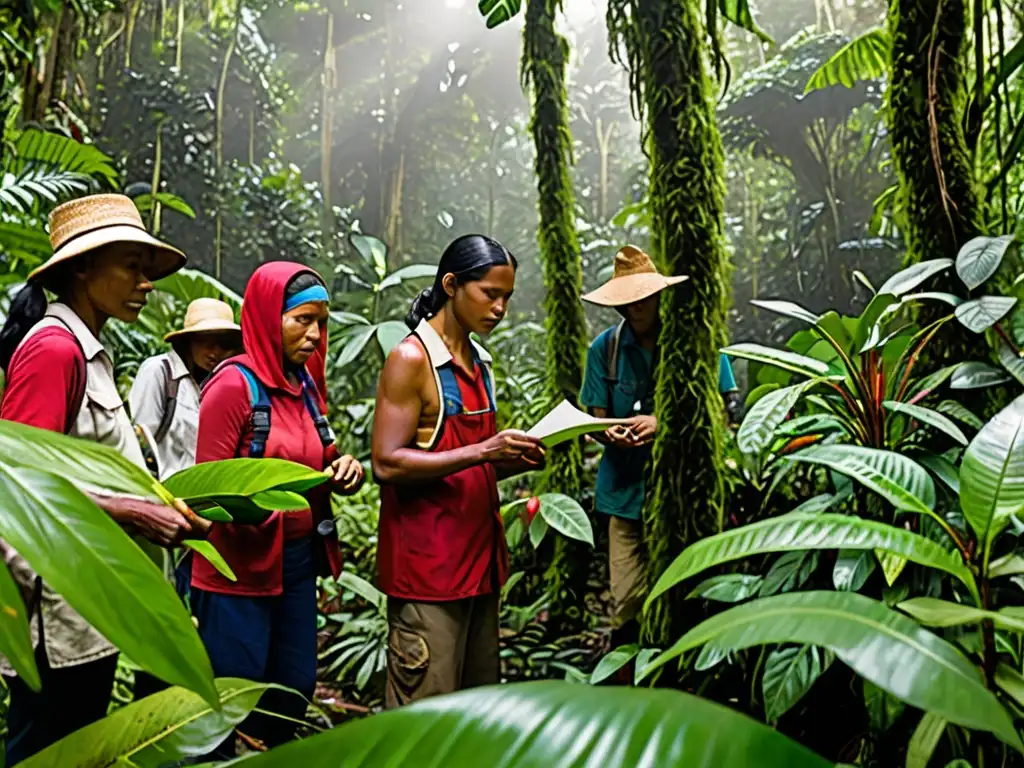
{"points": [[27, 308], [469, 258], [299, 283]]}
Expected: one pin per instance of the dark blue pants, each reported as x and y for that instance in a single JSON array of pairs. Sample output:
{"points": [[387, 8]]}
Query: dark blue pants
{"points": [[266, 639]]}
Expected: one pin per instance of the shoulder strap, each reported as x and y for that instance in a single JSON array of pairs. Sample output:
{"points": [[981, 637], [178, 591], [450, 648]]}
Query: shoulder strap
{"points": [[323, 427], [78, 396], [170, 401], [612, 361], [259, 418]]}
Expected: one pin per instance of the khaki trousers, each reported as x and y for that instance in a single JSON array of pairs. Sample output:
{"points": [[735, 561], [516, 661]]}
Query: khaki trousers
{"points": [[436, 648], [624, 538]]}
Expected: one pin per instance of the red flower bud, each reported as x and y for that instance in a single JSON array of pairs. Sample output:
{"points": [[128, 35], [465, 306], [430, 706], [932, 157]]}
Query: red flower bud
{"points": [[532, 507]]}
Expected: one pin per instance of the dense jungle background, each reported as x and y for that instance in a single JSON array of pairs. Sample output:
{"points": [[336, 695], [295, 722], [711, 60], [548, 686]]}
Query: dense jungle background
{"points": [[839, 178]]}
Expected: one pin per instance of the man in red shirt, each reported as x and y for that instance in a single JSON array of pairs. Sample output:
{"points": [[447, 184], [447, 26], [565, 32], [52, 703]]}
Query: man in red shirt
{"points": [[441, 554]]}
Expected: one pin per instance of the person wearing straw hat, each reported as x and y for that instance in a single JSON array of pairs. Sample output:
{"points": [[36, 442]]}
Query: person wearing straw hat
{"points": [[619, 383], [164, 397], [59, 377]]}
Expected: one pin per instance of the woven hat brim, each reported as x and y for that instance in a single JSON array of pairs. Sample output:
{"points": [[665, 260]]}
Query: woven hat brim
{"points": [[169, 259], [205, 326], [620, 291]]}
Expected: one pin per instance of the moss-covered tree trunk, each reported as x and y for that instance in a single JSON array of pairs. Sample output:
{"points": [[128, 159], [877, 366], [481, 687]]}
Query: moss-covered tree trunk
{"points": [[543, 70], [938, 208], [665, 42]]}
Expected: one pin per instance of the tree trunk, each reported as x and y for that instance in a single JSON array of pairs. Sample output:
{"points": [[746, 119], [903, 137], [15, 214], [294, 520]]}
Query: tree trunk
{"points": [[665, 44], [543, 68], [938, 205], [222, 81], [329, 84]]}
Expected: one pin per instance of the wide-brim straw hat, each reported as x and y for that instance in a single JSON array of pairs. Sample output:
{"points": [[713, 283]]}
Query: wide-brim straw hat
{"points": [[88, 223], [634, 279], [207, 316]]}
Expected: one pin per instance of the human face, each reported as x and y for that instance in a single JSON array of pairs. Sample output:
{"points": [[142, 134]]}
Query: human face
{"points": [[481, 304], [642, 315], [301, 329], [115, 280], [208, 350]]}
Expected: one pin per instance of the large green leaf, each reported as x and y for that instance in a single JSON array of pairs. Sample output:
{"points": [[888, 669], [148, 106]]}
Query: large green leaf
{"points": [[86, 558], [881, 645], [546, 724], [1011, 360], [354, 343], [958, 411], [942, 468], [158, 730], [566, 516], [980, 314], [883, 708], [499, 11], [390, 334], [761, 421], [901, 480], [976, 375], [242, 477], [613, 661], [408, 272], [979, 259], [801, 531], [863, 58], [728, 587], [869, 327], [36, 148], [933, 612], [929, 417], [924, 741], [908, 279], [780, 358], [208, 552], [787, 309], [187, 285], [15, 640], [738, 12], [789, 673], [992, 472], [852, 568], [374, 252]]}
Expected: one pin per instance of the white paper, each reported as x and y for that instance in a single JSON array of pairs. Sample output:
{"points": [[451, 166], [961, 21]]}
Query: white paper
{"points": [[566, 422]]}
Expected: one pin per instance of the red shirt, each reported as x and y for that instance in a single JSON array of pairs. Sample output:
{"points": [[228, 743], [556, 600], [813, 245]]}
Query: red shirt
{"points": [[443, 539], [45, 381]]}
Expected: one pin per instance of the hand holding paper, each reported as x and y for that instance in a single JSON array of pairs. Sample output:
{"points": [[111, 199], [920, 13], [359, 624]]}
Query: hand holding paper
{"points": [[565, 422]]}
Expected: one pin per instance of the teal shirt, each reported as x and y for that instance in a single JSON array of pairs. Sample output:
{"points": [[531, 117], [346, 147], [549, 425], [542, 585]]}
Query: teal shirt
{"points": [[620, 476]]}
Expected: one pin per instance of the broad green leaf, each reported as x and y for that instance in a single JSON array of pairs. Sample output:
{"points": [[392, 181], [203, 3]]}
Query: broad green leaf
{"points": [[933, 612], [852, 568], [795, 532], [347, 319], [933, 381], [980, 314], [103, 575], [908, 279], [992, 472], [1011, 361], [612, 662], [15, 640], [354, 344], [738, 12], [538, 530], [819, 503], [499, 11], [187, 285], [728, 587], [929, 417], [1008, 565], [761, 421], [892, 565], [980, 257], [863, 58], [242, 477], [958, 411], [881, 645], [789, 572], [787, 309], [812, 424], [643, 660], [543, 723], [566, 516], [942, 468], [976, 375], [390, 334], [779, 358], [883, 708], [364, 589], [1010, 681], [788, 674], [161, 729], [924, 741], [869, 331], [373, 251], [899, 479], [408, 272], [208, 552], [280, 501], [758, 392]]}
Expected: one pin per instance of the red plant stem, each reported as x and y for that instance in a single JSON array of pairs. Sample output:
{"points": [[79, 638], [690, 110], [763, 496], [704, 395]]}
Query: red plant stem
{"points": [[998, 327]]}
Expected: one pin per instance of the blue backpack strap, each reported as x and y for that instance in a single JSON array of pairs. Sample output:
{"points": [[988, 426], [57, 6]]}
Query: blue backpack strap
{"points": [[259, 418], [323, 427]]}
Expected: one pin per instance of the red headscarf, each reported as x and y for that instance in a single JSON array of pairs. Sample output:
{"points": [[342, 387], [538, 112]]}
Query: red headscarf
{"points": [[261, 329]]}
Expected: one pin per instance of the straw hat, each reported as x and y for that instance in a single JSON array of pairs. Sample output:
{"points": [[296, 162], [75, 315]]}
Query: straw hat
{"points": [[634, 279], [88, 223], [207, 316]]}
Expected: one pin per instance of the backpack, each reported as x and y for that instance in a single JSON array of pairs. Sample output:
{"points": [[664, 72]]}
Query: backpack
{"points": [[170, 401], [612, 373]]}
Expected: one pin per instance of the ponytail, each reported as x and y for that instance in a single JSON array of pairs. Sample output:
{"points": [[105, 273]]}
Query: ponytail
{"points": [[27, 308], [425, 306]]}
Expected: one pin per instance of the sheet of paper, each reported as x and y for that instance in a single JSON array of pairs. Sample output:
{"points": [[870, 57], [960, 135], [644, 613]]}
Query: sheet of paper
{"points": [[565, 422]]}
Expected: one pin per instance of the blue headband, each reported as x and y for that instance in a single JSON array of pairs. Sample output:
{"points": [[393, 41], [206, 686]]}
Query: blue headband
{"points": [[305, 296]]}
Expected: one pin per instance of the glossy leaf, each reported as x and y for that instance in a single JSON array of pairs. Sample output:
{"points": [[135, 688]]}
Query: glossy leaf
{"points": [[924, 740], [728, 587], [125, 596], [1011, 361], [242, 477], [883, 708], [933, 612], [980, 314], [408, 272], [1008, 565], [795, 532], [942, 468], [780, 358], [158, 730], [538, 530], [208, 552], [354, 344], [374, 252], [761, 421], [788, 674], [881, 645], [613, 661], [976, 375], [929, 417], [992, 472], [534, 724], [498, 11], [892, 565], [863, 58], [738, 12], [980, 257], [643, 660], [961, 413], [280, 501], [390, 334], [908, 279], [1011, 682], [566, 516], [789, 572], [15, 640], [869, 333], [787, 309], [852, 568], [899, 479]]}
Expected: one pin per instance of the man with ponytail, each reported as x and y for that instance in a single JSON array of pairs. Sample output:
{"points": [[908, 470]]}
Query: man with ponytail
{"points": [[437, 454], [60, 378]]}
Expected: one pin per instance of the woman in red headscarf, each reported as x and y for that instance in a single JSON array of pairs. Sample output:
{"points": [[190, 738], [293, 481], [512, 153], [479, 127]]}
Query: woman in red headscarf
{"points": [[263, 626]]}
